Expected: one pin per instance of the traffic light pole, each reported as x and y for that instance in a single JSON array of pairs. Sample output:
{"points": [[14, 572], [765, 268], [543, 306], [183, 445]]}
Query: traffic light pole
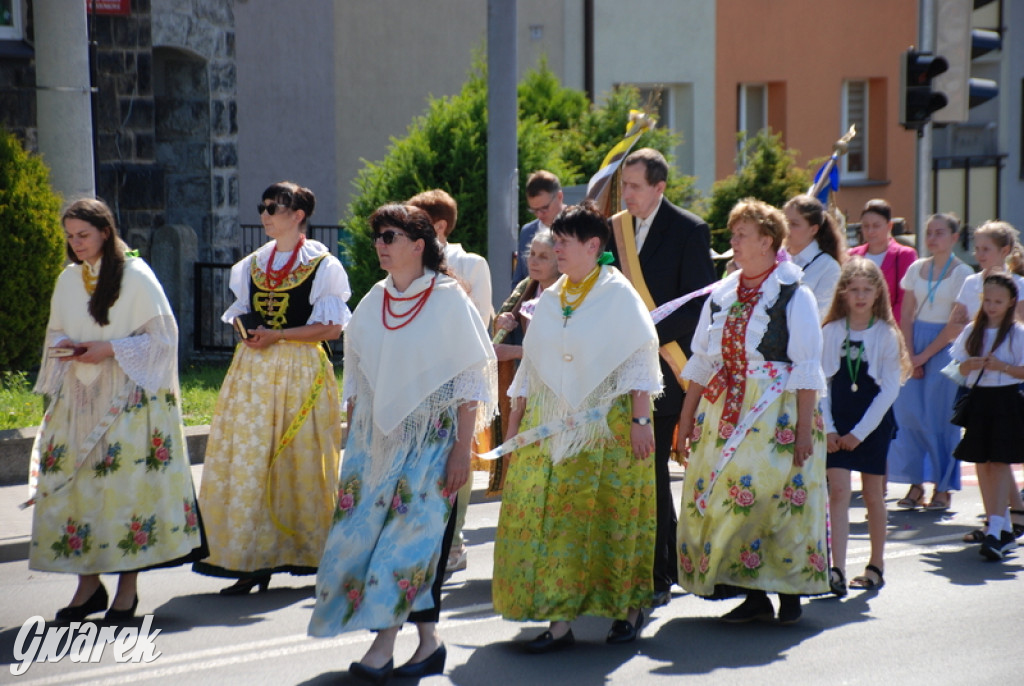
{"points": [[923, 185]]}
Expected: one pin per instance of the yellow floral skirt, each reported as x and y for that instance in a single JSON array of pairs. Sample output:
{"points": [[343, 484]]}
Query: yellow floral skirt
{"points": [[265, 514], [764, 527], [131, 504]]}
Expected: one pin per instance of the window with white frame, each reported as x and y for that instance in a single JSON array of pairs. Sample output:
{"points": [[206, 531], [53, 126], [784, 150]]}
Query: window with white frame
{"points": [[855, 113], [752, 115], [10, 20]]}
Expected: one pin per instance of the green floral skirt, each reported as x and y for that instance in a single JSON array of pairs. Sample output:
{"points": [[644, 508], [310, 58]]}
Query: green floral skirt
{"points": [[577, 537]]}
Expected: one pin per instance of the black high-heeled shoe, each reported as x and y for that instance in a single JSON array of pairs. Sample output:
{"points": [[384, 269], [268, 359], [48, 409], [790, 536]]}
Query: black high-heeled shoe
{"points": [[97, 602], [374, 676], [115, 615], [246, 584], [434, 664]]}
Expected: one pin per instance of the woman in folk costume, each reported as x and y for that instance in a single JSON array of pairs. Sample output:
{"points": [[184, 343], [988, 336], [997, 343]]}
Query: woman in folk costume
{"points": [[509, 325], [110, 477], [418, 364], [577, 524], [271, 470], [753, 511]]}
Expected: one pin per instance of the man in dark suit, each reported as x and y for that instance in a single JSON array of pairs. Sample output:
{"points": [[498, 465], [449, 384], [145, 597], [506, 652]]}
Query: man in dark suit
{"points": [[674, 251], [544, 198]]}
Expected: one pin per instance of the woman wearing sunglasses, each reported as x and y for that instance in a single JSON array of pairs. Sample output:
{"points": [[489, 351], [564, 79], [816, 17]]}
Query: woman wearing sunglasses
{"points": [[270, 475], [418, 363]]}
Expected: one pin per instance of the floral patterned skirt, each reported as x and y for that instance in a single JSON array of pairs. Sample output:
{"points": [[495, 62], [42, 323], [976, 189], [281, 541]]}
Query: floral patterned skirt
{"points": [[383, 548], [130, 506], [262, 514], [765, 526], [576, 537]]}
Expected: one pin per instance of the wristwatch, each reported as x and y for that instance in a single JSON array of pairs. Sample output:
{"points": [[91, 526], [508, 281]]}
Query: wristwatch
{"points": [[642, 421]]}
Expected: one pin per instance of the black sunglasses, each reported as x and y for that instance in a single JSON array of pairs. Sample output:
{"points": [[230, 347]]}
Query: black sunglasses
{"points": [[387, 236], [271, 208]]}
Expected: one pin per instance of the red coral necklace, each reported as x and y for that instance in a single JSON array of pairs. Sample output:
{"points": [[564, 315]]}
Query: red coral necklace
{"points": [[404, 318], [275, 277]]}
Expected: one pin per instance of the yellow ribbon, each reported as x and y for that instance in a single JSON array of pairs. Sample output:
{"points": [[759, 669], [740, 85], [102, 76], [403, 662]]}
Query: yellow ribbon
{"points": [[293, 430], [629, 260]]}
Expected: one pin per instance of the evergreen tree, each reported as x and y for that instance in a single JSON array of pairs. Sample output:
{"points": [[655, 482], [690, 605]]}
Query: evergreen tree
{"points": [[32, 245], [769, 174], [446, 147]]}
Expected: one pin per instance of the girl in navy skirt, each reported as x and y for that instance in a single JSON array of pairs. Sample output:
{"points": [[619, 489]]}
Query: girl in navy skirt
{"points": [[990, 352], [865, 361]]}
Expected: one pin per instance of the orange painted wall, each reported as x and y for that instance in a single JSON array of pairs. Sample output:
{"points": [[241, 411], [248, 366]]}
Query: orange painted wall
{"points": [[805, 51]]}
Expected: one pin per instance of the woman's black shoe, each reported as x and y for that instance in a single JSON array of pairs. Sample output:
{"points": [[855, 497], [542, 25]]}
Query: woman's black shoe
{"points": [[115, 615], [97, 602], [432, 665], [244, 585], [374, 676], [755, 607], [545, 643], [623, 631], [789, 609]]}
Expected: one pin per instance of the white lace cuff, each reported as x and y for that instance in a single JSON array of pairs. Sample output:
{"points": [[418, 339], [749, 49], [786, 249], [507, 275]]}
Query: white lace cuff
{"points": [[330, 310], [806, 376], [51, 369], [699, 369], [150, 358]]}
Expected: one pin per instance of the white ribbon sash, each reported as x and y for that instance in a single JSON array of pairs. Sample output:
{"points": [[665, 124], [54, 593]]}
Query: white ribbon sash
{"points": [[779, 374], [543, 431]]}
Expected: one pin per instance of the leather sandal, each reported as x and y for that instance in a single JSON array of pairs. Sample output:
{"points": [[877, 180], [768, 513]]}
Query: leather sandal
{"points": [[837, 582], [865, 582], [913, 499], [940, 502]]}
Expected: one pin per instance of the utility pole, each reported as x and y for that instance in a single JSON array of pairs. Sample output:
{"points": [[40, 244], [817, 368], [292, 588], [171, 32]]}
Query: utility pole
{"points": [[63, 96], [923, 193], [502, 146]]}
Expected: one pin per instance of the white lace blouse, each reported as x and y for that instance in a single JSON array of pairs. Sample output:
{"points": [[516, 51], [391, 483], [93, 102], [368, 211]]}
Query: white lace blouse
{"points": [[804, 347]]}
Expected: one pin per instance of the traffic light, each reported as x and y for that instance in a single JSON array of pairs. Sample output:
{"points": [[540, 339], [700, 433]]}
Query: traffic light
{"points": [[918, 96], [960, 44]]}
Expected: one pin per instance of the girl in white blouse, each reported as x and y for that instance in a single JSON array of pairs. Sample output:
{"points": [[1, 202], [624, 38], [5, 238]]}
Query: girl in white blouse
{"points": [[865, 362], [817, 246], [991, 355]]}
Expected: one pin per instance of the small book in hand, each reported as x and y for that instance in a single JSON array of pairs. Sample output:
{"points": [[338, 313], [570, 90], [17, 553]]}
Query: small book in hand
{"points": [[66, 351], [245, 322]]}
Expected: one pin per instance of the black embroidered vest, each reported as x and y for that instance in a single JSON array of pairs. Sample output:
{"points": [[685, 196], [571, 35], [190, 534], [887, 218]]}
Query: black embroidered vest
{"points": [[288, 305], [774, 345]]}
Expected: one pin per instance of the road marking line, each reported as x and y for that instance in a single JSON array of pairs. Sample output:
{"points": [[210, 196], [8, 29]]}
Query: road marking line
{"points": [[212, 658]]}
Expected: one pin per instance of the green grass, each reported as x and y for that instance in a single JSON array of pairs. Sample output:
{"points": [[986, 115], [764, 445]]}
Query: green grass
{"points": [[200, 384], [19, 406]]}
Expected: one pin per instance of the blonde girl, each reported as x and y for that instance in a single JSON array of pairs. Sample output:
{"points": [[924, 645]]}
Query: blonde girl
{"points": [[990, 352], [865, 361], [997, 249]]}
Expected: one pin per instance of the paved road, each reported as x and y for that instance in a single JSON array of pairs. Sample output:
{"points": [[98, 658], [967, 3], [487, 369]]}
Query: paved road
{"points": [[944, 617]]}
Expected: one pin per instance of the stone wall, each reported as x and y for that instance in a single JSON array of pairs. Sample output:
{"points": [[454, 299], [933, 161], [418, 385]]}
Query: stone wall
{"points": [[129, 177], [204, 29]]}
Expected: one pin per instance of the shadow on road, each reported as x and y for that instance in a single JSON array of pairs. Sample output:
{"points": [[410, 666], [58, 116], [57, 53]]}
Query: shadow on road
{"points": [[967, 568], [186, 612]]}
